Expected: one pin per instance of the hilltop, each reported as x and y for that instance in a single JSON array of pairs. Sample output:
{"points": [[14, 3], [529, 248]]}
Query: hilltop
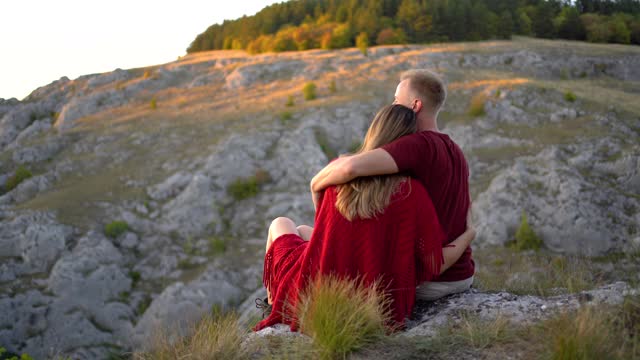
{"points": [[138, 199]]}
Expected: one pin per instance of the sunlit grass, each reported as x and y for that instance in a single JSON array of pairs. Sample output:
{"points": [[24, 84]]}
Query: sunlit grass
{"points": [[342, 316], [533, 273], [214, 337]]}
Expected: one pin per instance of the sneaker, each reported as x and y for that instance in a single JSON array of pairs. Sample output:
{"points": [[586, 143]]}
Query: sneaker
{"points": [[263, 304]]}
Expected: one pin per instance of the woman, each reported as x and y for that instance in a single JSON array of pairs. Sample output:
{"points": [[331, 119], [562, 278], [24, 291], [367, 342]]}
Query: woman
{"points": [[374, 228]]}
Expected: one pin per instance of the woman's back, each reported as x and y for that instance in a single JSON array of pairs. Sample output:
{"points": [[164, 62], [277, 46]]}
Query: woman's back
{"points": [[401, 247]]}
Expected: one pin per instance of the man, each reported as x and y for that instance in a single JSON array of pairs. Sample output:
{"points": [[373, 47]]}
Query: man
{"points": [[429, 156]]}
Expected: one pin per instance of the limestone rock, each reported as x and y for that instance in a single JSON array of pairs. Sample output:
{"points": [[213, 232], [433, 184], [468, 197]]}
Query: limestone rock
{"points": [[170, 187], [80, 107], [193, 209], [36, 238], [180, 305], [520, 309], [563, 206]]}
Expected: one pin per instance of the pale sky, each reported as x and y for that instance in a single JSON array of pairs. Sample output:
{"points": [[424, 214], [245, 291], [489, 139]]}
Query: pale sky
{"points": [[43, 40]]}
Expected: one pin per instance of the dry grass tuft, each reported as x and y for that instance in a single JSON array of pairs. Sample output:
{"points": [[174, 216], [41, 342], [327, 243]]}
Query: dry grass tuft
{"points": [[476, 105], [342, 316], [590, 333], [533, 273], [214, 337]]}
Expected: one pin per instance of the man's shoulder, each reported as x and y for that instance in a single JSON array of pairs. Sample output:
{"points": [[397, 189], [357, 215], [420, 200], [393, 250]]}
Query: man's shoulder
{"points": [[438, 138]]}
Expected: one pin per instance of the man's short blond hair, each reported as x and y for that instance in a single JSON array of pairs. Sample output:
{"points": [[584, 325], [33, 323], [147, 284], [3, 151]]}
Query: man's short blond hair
{"points": [[428, 87]]}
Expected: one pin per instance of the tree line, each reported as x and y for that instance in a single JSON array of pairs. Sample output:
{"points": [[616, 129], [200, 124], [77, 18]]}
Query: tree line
{"points": [[333, 24]]}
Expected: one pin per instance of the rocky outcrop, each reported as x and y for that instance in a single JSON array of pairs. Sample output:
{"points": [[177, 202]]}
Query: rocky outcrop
{"points": [[518, 309], [562, 205], [181, 305], [31, 243], [429, 317]]}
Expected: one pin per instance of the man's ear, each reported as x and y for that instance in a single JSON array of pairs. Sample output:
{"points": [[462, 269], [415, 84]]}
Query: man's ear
{"points": [[417, 106]]}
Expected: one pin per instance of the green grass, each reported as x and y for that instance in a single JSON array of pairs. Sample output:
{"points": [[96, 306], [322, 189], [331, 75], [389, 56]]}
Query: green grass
{"points": [[217, 245], [153, 104], [245, 188], [135, 277], [143, 305], [570, 96], [309, 91], [526, 238], [342, 316], [21, 174], [286, 117], [116, 228], [6, 355]]}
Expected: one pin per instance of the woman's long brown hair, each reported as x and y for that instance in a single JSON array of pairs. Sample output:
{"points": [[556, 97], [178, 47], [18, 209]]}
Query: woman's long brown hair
{"points": [[366, 197]]}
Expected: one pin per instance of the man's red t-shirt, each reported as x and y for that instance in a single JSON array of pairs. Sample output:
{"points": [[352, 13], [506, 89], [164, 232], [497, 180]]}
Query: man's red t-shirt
{"points": [[439, 164]]}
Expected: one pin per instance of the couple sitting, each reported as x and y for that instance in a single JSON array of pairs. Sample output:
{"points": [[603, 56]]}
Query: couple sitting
{"points": [[396, 212]]}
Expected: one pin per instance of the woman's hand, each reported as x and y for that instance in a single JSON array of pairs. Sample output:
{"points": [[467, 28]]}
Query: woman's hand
{"points": [[470, 224], [315, 196]]}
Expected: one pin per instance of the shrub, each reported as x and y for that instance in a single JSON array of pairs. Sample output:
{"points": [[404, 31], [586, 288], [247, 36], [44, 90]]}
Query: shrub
{"points": [[476, 106], [342, 316], [116, 228], [217, 245], [569, 96], [19, 176], [525, 237], [135, 277], [153, 103], [285, 117], [290, 102], [241, 189], [332, 87], [309, 91], [362, 42], [4, 354], [143, 305], [213, 337], [147, 74]]}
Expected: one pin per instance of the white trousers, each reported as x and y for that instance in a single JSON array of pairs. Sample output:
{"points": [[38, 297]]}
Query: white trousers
{"points": [[435, 290]]}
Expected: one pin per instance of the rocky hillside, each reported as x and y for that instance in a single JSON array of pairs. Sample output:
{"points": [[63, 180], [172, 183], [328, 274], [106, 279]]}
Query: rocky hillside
{"points": [[139, 199]]}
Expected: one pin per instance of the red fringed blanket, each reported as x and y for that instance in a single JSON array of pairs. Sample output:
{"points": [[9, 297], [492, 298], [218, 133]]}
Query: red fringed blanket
{"points": [[402, 247]]}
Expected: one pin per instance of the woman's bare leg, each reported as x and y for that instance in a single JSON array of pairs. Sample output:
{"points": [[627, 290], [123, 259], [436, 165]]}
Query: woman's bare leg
{"points": [[305, 232], [280, 226]]}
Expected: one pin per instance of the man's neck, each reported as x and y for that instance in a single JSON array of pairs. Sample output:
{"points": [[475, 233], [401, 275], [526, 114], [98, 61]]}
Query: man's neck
{"points": [[428, 123]]}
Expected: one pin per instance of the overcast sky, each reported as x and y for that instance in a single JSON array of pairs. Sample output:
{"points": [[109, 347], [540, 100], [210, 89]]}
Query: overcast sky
{"points": [[43, 40]]}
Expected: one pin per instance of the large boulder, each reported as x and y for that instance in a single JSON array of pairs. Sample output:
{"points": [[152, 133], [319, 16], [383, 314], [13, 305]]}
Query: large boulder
{"points": [[570, 209], [180, 305]]}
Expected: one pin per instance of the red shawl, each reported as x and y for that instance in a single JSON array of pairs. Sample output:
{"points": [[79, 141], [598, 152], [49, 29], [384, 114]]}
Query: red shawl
{"points": [[402, 246]]}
